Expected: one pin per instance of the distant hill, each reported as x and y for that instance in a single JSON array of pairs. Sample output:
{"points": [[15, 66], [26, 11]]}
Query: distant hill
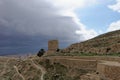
{"points": [[108, 43]]}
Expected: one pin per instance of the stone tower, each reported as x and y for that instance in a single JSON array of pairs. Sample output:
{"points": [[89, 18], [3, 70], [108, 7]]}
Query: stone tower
{"points": [[53, 45]]}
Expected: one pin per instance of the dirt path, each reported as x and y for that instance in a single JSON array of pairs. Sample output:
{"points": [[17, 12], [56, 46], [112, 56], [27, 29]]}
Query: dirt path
{"points": [[19, 73], [111, 63], [43, 71]]}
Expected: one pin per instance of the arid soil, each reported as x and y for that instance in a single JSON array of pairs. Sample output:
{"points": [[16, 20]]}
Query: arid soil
{"points": [[58, 68]]}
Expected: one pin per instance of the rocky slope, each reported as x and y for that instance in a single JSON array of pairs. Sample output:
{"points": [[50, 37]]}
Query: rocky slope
{"points": [[18, 69], [108, 43], [35, 68], [59, 68]]}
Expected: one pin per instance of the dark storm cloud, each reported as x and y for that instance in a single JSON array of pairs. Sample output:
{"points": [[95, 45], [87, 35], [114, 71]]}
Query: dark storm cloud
{"points": [[33, 22], [35, 17]]}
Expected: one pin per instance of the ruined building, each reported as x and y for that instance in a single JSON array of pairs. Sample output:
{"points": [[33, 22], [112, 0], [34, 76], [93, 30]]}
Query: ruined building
{"points": [[53, 45]]}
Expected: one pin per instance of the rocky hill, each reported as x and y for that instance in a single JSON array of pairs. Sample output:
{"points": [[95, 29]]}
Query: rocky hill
{"points": [[53, 68], [35, 68], [108, 43], [59, 68]]}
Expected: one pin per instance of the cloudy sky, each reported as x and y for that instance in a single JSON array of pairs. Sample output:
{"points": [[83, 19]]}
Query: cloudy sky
{"points": [[27, 25]]}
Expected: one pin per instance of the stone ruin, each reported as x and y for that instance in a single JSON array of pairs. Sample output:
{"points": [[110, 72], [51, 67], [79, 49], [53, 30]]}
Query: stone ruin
{"points": [[53, 45]]}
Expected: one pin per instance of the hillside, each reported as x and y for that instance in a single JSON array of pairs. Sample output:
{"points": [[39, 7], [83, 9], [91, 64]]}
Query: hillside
{"points": [[35, 68], [49, 68], [12, 68], [108, 43], [59, 68]]}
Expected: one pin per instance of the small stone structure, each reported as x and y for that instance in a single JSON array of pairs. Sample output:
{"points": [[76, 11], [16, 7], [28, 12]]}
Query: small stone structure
{"points": [[53, 45]]}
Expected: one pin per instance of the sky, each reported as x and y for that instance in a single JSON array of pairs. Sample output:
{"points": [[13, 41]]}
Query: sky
{"points": [[27, 25]]}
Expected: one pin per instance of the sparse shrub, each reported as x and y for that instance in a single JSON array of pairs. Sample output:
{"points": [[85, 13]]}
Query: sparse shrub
{"points": [[58, 50], [118, 41], [41, 53], [55, 71], [108, 49]]}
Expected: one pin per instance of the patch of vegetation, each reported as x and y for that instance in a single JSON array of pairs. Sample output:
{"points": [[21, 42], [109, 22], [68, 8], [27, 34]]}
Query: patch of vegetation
{"points": [[57, 71], [85, 54]]}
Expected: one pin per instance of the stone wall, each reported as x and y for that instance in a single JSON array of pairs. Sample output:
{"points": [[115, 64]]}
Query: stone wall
{"points": [[110, 70], [76, 63]]}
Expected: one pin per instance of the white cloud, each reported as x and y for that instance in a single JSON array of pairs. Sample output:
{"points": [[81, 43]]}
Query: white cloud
{"points": [[114, 26], [72, 4], [86, 34], [67, 7], [115, 7]]}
